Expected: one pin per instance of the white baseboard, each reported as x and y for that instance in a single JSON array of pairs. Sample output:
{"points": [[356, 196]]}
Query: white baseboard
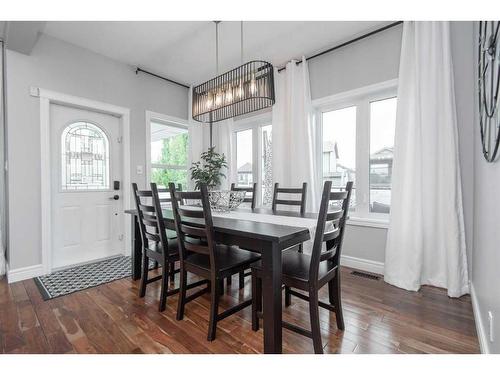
{"points": [[481, 331], [362, 264], [24, 273]]}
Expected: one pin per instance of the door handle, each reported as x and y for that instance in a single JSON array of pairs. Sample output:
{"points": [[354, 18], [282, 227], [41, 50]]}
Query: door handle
{"points": [[114, 197]]}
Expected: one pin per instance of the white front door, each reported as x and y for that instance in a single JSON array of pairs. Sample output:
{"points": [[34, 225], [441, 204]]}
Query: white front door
{"points": [[87, 208]]}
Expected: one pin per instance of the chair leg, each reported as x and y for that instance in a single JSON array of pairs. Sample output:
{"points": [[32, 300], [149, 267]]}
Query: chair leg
{"points": [[335, 298], [288, 296], [256, 300], [144, 276], [314, 316], [242, 279], [172, 271], [164, 287], [214, 309], [301, 249], [182, 294]]}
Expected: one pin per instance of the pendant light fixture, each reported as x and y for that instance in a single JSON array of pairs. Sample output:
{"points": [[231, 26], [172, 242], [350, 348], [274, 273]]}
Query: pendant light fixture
{"points": [[245, 89]]}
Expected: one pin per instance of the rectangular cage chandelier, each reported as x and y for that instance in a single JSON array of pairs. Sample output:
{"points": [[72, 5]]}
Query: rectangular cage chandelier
{"points": [[247, 88]]}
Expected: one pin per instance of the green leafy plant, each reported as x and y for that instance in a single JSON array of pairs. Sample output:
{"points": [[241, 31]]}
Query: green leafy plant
{"points": [[208, 170]]}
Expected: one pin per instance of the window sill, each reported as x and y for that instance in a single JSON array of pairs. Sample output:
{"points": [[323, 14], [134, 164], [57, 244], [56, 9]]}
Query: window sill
{"points": [[368, 222]]}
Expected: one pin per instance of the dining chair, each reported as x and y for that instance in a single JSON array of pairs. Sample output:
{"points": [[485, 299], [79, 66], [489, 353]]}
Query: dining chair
{"points": [[155, 242], [309, 273], [252, 190], [252, 201], [158, 243], [214, 262], [170, 234], [291, 202]]}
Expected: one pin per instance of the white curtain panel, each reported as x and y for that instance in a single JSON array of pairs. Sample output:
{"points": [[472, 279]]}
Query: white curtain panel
{"points": [[293, 131], [426, 240], [196, 138], [2, 176]]}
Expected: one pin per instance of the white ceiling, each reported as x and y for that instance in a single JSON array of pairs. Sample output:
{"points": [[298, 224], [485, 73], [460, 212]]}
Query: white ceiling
{"points": [[185, 51]]}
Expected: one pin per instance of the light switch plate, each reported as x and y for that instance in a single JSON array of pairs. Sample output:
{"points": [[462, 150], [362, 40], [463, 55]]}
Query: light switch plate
{"points": [[139, 169]]}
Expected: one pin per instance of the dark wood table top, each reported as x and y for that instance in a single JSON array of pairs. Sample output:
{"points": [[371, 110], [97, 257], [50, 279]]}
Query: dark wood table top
{"points": [[253, 229]]}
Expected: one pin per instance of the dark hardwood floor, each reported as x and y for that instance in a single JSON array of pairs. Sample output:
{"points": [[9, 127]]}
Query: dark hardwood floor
{"points": [[111, 318]]}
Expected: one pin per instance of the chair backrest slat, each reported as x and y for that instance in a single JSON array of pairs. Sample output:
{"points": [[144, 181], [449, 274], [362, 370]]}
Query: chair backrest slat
{"points": [[328, 236], [197, 236], [196, 213], [152, 236], [247, 199], [338, 195], [195, 248], [332, 237], [193, 231], [146, 208], [290, 202]]}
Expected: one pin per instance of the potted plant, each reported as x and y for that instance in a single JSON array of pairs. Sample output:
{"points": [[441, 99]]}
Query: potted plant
{"points": [[208, 170]]}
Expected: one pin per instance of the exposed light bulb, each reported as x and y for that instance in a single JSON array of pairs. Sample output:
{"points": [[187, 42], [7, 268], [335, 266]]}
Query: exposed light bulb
{"points": [[218, 98], [253, 85], [210, 100], [228, 97], [239, 90]]}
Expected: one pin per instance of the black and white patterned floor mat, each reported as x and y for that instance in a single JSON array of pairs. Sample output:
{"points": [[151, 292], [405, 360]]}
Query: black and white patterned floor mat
{"points": [[82, 277]]}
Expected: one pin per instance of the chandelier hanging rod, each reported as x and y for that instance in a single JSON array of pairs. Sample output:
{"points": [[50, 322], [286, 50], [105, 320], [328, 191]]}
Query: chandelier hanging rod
{"points": [[361, 37]]}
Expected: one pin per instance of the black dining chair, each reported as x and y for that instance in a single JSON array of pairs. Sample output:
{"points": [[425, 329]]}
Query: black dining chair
{"points": [[252, 200], [309, 273], [155, 243], [278, 191], [205, 258], [302, 192], [164, 197], [158, 243]]}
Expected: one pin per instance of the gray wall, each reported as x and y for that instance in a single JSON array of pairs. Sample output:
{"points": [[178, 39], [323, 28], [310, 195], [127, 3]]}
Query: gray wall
{"points": [[486, 251], [62, 67]]}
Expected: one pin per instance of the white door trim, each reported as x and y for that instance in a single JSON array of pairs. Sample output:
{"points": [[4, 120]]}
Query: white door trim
{"points": [[160, 117], [47, 98]]}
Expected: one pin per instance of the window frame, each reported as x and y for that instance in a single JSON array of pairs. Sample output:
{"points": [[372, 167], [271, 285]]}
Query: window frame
{"points": [[167, 121], [361, 99], [255, 123]]}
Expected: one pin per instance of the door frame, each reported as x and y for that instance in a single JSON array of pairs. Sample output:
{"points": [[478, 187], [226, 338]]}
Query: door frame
{"points": [[48, 97]]}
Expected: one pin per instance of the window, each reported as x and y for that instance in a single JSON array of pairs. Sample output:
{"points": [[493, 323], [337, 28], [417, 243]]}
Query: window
{"points": [[244, 158], [339, 148], [382, 127], [357, 142], [169, 154], [253, 155], [85, 157]]}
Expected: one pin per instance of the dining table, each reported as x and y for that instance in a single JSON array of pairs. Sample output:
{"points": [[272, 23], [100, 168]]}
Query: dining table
{"points": [[242, 227]]}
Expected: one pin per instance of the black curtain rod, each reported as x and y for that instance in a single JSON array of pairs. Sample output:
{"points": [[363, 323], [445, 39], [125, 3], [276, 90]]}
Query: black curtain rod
{"points": [[349, 42], [137, 70]]}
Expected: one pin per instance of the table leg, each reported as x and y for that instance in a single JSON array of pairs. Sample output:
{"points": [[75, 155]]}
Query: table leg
{"points": [[271, 287], [136, 249]]}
